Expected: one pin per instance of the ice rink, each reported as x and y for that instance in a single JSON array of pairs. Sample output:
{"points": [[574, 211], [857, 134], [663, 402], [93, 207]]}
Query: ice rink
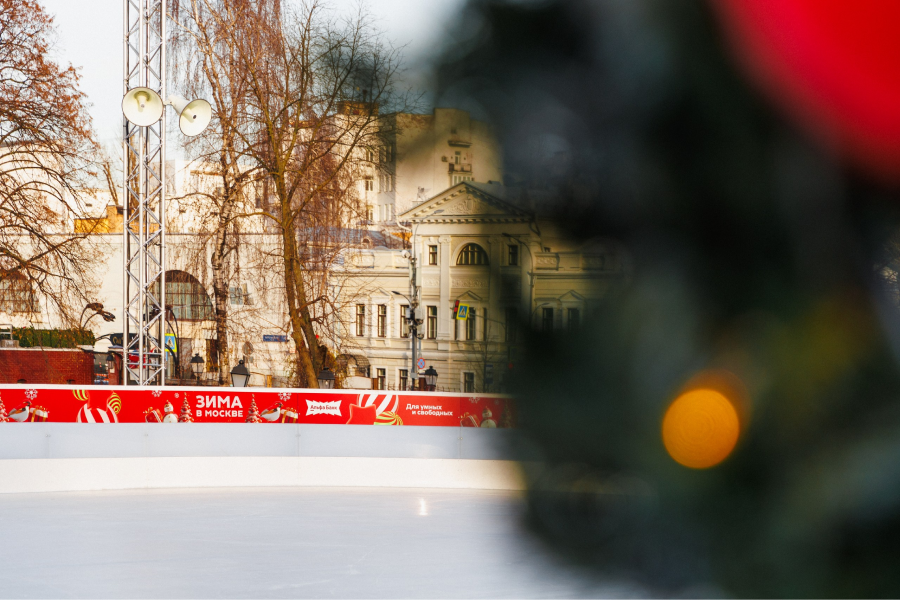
{"points": [[278, 542]]}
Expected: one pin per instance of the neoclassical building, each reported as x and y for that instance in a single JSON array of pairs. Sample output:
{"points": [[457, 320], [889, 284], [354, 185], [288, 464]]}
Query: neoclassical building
{"points": [[474, 247]]}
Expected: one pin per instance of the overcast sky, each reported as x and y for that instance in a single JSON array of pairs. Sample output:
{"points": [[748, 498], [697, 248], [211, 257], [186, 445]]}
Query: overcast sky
{"points": [[90, 37]]}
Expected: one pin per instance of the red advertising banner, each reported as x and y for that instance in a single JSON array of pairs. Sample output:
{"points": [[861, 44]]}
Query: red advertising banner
{"points": [[117, 404]]}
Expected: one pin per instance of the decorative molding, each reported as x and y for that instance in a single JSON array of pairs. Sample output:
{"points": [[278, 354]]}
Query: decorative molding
{"points": [[431, 283], [465, 206], [445, 239], [468, 283], [546, 261]]}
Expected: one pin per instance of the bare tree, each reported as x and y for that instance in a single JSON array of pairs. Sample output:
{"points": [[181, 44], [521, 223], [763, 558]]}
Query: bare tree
{"points": [[46, 160], [313, 87]]}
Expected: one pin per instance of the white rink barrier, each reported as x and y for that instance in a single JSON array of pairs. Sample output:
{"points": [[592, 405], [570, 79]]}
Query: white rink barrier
{"points": [[53, 457]]}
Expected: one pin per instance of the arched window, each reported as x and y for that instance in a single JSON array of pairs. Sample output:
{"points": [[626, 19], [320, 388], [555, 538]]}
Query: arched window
{"points": [[187, 297], [472, 254], [17, 294]]}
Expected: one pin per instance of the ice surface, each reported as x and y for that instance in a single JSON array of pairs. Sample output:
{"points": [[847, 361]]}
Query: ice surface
{"points": [[275, 543]]}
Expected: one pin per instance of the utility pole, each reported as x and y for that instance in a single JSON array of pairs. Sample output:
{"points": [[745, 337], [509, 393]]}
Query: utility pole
{"points": [[412, 319]]}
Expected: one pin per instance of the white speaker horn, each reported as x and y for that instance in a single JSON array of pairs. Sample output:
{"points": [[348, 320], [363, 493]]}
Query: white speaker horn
{"points": [[142, 106], [193, 116]]}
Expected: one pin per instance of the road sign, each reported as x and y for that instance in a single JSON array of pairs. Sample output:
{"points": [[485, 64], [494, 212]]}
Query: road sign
{"points": [[462, 313], [420, 363]]}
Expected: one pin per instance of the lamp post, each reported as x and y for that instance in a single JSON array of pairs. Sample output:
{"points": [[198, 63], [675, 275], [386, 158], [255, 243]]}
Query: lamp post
{"points": [[197, 366], [325, 379], [240, 376], [430, 379]]}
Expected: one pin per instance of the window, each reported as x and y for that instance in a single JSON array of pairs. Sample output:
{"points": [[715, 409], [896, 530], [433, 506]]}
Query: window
{"points": [[380, 379], [404, 322], [370, 155], [382, 320], [236, 296], [187, 296], [432, 322], [247, 351], [455, 324], [370, 213], [574, 317], [472, 254], [461, 178], [513, 256], [370, 184], [432, 255], [17, 295], [468, 382], [484, 328], [360, 320], [547, 324], [456, 158], [471, 334], [512, 320], [403, 379]]}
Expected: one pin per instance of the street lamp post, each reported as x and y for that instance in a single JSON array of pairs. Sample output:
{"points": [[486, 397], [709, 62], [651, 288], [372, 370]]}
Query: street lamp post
{"points": [[326, 379], [197, 366], [240, 376], [430, 379]]}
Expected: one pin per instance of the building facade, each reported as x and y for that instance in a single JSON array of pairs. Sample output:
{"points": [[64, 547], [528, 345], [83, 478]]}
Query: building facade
{"points": [[472, 247]]}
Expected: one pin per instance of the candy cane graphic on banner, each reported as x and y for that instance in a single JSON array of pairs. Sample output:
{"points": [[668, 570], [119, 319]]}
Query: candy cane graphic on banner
{"points": [[385, 407], [91, 413]]}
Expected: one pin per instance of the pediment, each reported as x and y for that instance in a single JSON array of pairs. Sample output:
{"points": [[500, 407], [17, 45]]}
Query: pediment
{"points": [[380, 292], [571, 296], [467, 202], [467, 295]]}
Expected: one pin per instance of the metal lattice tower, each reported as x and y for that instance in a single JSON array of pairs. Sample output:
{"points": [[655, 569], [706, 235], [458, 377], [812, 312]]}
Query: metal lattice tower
{"points": [[144, 318]]}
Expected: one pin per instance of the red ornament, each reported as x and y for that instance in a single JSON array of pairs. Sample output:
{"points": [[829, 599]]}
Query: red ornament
{"points": [[3, 418], [834, 67]]}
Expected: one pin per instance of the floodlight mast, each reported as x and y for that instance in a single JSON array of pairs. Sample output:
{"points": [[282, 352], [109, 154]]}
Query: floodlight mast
{"points": [[144, 230]]}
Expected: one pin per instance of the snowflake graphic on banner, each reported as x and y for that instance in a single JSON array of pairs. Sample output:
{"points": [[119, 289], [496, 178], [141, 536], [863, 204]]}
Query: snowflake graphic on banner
{"points": [[177, 395], [31, 394], [156, 393], [285, 396]]}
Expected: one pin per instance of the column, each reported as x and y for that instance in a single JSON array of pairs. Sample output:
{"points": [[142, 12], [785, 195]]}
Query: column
{"points": [[444, 255]]}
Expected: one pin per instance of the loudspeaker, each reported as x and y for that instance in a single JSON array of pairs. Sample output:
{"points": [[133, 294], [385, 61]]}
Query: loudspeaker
{"points": [[193, 117], [142, 106]]}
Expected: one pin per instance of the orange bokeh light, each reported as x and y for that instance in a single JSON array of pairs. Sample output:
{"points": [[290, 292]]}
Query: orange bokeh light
{"points": [[700, 428]]}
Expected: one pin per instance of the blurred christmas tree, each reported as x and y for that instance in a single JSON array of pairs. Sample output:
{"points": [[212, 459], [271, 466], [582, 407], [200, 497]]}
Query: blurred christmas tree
{"points": [[759, 255]]}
